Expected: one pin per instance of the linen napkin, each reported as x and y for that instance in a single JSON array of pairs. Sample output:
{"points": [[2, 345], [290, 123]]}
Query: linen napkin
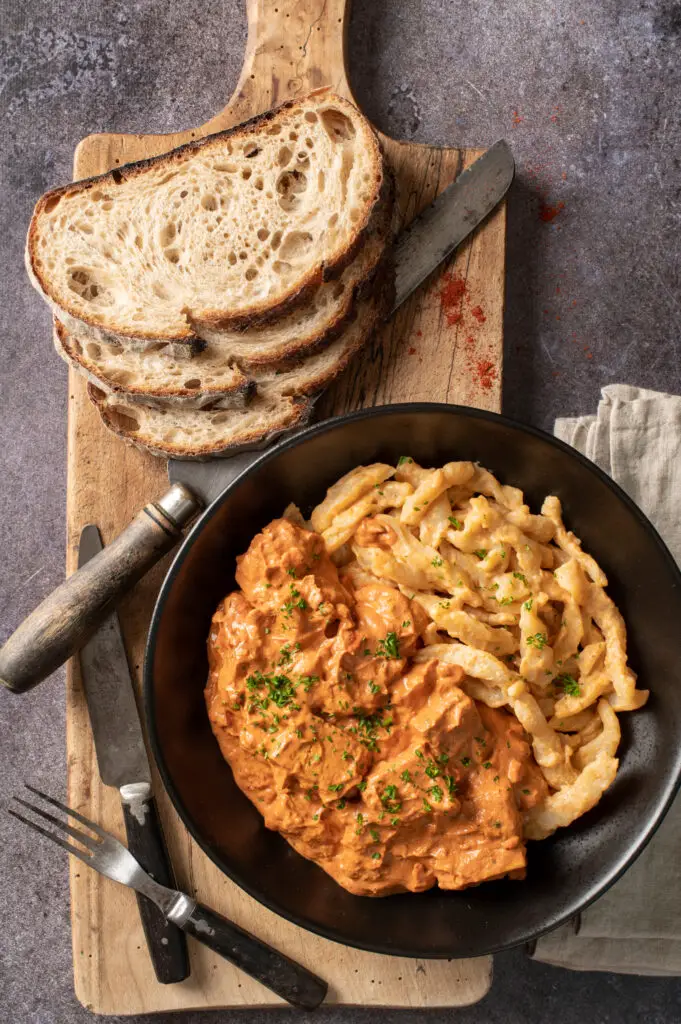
{"points": [[635, 928]]}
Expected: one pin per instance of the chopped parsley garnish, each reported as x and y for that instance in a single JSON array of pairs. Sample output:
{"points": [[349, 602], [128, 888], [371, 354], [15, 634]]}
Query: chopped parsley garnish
{"points": [[389, 799], [451, 784], [487, 764], [426, 806], [375, 856], [295, 601], [437, 562], [346, 756], [526, 791], [402, 459], [341, 805], [481, 553], [280, 690], [366, 652], [432, 770], [495, 779], [528, 605], [307, 682], [406, 624], [465, 761], [285, 657], [335, 787], [419, 754], [406, 775], [361, 786], [388, 648], [538, 640], [456, 523], [519, 576], [292, 572], [374, 835], [374, 687], [497, 824], [569, 685], [442, 758], [299, 733], [436, 794], [506, 600]]}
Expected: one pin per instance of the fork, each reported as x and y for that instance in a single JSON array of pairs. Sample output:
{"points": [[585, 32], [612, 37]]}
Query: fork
{"points": [[290, 980]]}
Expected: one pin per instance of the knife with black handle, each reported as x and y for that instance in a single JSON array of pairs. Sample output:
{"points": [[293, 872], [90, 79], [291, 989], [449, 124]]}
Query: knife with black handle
{"points": [[123, 762], [65, 619]]}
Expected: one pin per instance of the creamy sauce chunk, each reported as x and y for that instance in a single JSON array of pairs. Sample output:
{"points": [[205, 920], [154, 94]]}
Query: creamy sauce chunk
{"points": [[384, 773]]}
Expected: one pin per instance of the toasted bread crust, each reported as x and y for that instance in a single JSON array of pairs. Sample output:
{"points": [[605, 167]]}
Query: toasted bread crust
{"points": [[259, 312], [230, 396], [294, 413]]}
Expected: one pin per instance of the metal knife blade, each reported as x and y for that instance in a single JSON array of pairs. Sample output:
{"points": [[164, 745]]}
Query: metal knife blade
{"points": [[419, 249], [119, 743], [450, 218]]}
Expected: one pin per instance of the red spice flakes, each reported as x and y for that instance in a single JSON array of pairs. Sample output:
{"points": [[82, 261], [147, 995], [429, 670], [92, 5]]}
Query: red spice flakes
{"points": [[548, 213], [516, 119], [451, 297], [412, 350], [419, 334], [478, 314], [485, 373], [470, 340]]}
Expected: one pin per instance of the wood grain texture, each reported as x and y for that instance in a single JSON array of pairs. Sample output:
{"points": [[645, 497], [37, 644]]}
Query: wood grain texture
{"points": [[433, 350]]}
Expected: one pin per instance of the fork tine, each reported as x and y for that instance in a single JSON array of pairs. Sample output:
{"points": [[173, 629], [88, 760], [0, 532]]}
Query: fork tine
{"points": [[82, 837], [81, 854], [68, 810]]}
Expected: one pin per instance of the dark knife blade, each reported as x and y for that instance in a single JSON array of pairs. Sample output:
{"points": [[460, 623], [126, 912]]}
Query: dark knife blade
{"points": [[450, 218], [123, 762]]}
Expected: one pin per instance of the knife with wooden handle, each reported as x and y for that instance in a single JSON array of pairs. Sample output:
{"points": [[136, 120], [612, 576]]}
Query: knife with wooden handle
{"points": [[65, 619], [123, 762]]}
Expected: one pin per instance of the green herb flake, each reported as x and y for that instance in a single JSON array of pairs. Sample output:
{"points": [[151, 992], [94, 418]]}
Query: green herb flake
{"points": [[437, 562], [528, 605], [456, 523], [375, 856], [519, 576], [569, 685], [487, 764], [465, 761], [436, 794], [406, 775], [388, 648], [480, 553], [374, 835], [537, 640], [374, 687], [426, 806], [403, 459]]}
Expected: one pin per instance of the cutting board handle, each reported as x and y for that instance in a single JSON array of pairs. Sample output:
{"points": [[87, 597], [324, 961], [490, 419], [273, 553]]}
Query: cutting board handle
{"points": [[293, 47]]}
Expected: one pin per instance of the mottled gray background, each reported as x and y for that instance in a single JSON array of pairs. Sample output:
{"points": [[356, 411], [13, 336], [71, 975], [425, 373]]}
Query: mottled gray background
{"points": [[587, 93]]}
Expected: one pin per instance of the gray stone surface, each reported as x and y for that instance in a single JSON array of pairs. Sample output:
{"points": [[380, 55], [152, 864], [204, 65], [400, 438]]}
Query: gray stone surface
{"points": [[588, 95]]}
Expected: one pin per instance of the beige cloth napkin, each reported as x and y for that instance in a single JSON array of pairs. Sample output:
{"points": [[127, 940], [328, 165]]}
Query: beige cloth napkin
{"points": [[635, 928]]}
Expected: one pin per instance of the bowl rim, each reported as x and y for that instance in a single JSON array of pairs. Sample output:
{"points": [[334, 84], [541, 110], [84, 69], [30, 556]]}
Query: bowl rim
{"points": [[597, 889]]}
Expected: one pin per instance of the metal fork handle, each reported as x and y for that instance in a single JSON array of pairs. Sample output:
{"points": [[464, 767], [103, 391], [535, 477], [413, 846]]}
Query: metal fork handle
{"points": [[291, 981]]}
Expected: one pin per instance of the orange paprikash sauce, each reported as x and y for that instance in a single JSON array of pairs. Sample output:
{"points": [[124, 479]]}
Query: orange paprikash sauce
{"points": [[384, 773]]}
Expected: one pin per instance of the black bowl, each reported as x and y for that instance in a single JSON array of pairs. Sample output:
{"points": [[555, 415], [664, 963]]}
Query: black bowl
{"points": [[566, 872]]}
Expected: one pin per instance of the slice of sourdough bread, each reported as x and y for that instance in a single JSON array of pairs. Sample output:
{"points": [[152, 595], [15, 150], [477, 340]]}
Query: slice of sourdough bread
{"points": [[201, 433], [314, 323], [282, 401], [226, 231], [153, 376]]}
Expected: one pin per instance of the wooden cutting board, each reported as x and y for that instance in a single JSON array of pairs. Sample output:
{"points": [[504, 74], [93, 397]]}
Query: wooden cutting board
{"points": [[444, 345]]}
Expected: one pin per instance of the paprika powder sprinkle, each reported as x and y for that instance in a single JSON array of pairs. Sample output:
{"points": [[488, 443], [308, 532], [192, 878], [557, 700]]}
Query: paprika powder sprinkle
{"points": [[451, 297], [486, 374], [478, 314], [548, 213]]}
